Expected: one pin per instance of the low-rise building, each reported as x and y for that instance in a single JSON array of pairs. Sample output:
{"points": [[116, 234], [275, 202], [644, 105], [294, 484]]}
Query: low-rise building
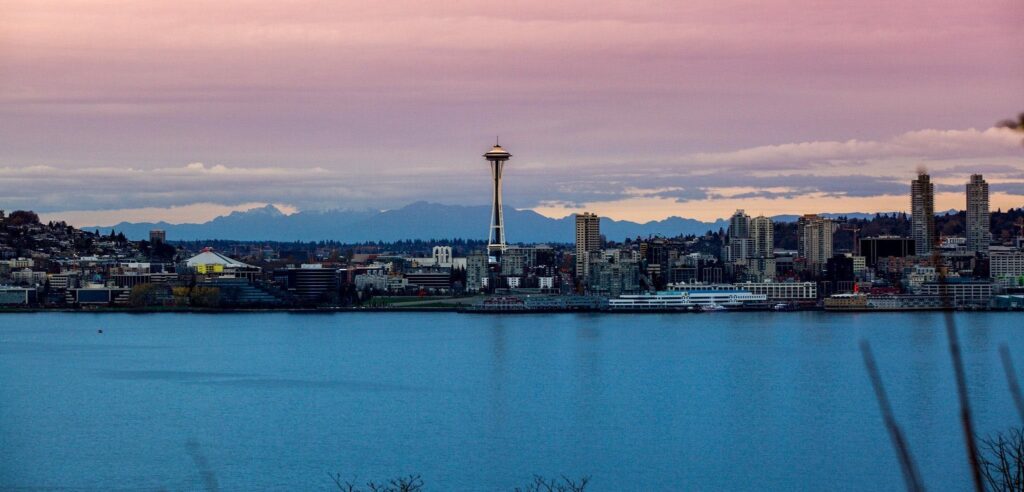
{"points": [[374, 281], [17, 296], [439, 279], [963, 292], [773, 291], [309, 283], [27, 276], [98, 295], [686, 299], [64, 281], [1006, 265]]}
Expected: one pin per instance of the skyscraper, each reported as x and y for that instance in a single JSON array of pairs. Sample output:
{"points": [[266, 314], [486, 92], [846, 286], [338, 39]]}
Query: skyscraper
{"points": [[814, 240], [763, 235], [497, 157], [588, 239], [922, 214], [740, 245], [978, 219]]}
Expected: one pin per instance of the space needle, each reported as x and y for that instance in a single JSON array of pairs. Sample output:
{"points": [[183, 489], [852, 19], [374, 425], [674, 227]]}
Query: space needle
{"points": [[496, 237]]}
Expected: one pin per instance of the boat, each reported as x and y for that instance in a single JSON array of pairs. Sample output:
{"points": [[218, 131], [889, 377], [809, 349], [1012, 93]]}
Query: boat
{"points": [[707, 308]]}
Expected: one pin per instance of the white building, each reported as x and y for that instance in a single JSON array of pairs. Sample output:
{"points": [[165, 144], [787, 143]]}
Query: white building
{"points": [[442, 256], [963, 293], [19, 263], [546, 282], [1006, 265], [373, 281], [782, 291], [686, 299], [919, 276], [27, 276]]}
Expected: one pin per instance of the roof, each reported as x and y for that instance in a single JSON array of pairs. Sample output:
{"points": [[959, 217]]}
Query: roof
{"points": [[214, 258], [498, 152]]}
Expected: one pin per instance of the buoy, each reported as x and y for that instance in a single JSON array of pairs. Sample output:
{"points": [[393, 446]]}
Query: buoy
{"points": [[99, 331]]}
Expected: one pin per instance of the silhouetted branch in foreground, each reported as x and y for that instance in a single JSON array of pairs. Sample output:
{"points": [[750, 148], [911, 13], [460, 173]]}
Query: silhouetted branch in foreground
{"points": [[203, 465], [910, 473], [1015, 125], [1011, 380], [965, 404], [1002, 461], [411, 483], [565, 484]]}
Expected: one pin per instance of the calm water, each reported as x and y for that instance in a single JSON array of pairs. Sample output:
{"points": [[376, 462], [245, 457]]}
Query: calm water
{"points": [[276, 401]]}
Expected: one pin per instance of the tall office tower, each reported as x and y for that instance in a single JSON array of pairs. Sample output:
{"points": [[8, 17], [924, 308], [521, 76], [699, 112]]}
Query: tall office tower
{"points": [[160, 236], [979, 233], [922, 214], [814, 240], [740, 245], [497, 157], [588, 239], [763, 235]]}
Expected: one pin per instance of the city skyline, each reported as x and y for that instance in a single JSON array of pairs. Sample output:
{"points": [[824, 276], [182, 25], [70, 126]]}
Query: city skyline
{"points": [[259, 245], [632, 111]]}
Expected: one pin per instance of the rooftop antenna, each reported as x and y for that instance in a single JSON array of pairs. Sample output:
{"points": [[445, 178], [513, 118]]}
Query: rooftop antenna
{"points": [[497, 142]]}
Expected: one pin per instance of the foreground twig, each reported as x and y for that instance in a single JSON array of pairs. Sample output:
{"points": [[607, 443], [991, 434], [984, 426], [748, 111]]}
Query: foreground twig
{"points": [[1002, 461], [1011, 379], [965, 404], [910, 473]]}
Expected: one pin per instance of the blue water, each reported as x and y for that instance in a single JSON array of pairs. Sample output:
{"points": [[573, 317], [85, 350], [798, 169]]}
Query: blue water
{"points": [[732, 401]]}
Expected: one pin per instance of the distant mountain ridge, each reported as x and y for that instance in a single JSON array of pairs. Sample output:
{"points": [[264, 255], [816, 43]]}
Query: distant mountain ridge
{"points": [[420, 220]]}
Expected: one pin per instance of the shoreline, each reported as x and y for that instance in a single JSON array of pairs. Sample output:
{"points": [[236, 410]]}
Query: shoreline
{"points": [[411, 309]]}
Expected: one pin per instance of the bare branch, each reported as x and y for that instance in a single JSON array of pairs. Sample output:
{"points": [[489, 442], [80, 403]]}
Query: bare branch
{"points": [[1011, 379], [910, 473]]}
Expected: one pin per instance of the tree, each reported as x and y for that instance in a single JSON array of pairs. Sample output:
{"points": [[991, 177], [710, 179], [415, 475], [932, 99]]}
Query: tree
{"points": [[412, 483], [1002, 461], [143, 295], [22, 217], [208, 297]]}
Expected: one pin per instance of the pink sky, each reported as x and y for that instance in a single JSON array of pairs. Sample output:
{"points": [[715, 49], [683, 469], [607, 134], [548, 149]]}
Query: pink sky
{"points": [[636, 110]]}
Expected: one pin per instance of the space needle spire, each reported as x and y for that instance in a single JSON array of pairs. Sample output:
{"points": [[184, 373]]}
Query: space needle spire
{"points": [[496, 236]]}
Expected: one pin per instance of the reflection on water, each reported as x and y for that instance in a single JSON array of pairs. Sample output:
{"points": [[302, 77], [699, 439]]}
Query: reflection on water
{"points": [[275, 401]]}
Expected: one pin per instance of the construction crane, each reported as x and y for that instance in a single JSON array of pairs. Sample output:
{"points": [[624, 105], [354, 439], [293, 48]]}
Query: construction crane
{"points": [[855, 230]]}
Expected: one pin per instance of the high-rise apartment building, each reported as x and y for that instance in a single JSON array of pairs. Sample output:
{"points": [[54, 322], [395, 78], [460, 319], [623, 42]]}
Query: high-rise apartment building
{"points": [[922, 214], [477, 272], [979, 233], [814, 240], [761, 265], [740, 245], [763, 236], [588, 239]]}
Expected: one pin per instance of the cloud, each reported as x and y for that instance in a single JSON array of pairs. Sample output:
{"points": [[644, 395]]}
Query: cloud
{"points": [[307, 83], [922, 144], [884, 169]]}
